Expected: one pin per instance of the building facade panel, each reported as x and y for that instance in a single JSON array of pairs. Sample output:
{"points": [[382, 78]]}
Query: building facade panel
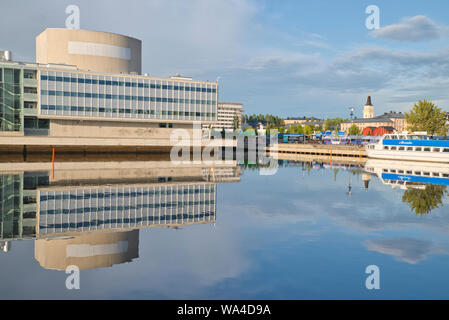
{"points": [[97, 208], [83, 95]]}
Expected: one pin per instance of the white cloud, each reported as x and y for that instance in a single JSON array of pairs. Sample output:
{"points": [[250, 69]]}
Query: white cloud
{"points": [[413, 29], [405, 249]]}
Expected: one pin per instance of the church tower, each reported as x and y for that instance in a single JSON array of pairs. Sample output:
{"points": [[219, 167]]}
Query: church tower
{"points": [[368, 109]]}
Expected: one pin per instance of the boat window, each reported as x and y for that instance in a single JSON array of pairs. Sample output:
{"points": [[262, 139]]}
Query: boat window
{"points": [[418, 173], [392, 170], [446, 150], [409, 148], [401, 171], [446, 175], [402, 137], [385, 170], [418, 149], [393, 148], [426, 174], [426, 149], [401, 148], [409, 172], [435, 174], [394, 137], [386, 148], [436, 149]]}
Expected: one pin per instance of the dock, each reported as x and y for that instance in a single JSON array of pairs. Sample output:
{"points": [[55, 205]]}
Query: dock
{"points": [[292, 150]]}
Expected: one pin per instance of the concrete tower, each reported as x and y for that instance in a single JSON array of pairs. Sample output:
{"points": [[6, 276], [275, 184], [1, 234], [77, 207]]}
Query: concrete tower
{"points": [[368, 109]]}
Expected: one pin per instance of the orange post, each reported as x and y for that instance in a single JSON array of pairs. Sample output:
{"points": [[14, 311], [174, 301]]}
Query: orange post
{"points": [[53, 163]]}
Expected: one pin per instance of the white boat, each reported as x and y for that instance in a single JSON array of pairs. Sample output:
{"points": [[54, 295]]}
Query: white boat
{"points": [[414, 147], [408, 174]]}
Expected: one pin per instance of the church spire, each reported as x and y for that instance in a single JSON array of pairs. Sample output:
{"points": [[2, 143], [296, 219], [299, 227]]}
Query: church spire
{"points": [[368, 101]]}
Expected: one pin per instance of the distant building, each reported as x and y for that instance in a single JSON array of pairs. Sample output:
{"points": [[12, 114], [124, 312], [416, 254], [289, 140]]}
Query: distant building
{"points": [[227, 113], [391, 119], [311, 121], [395, 120], [368, 109], [379, 131]]}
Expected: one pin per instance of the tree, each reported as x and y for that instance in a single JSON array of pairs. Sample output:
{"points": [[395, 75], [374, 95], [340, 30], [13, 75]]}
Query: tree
{"points": [[425, 116], [236, 122], [424, 201], [308, 130], [354, 130]]}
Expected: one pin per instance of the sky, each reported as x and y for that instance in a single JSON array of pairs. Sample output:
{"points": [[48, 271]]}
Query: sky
{"points": [[288, 58]]}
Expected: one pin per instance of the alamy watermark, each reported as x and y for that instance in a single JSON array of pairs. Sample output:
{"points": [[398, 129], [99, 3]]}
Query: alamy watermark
{"points": [[372, 22], [196, 147], [372, 282], [73, 280], [73, 19]]}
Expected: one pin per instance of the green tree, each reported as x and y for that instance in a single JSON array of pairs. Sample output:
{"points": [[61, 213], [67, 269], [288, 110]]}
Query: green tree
{"points": [[354, 130], [236, 122], [425, 116], [308, 130], [424, 201]]}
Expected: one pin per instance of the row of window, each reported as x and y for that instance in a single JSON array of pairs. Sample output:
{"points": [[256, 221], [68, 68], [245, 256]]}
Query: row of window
{"points": [[102, 195], [134, 207], [128, 84], [124, 97], [128, 111], [426, 149], [418, 173], [96, 223]]}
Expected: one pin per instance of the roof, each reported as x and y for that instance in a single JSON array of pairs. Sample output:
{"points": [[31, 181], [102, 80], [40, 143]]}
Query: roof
{"points": [[368, 101], [370, 120], [386, 117], [389, 128]]}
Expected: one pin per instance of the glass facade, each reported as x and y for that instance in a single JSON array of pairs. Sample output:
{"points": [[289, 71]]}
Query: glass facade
{"points": [[11, 118], [88, 209], [10, 206], [78, 95]]}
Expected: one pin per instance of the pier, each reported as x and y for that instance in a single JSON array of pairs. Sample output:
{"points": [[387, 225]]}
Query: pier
{"points": [[291, 151]]}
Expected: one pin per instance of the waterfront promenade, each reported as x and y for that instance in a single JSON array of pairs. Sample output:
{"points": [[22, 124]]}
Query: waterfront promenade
{"points": [[335, 151]]}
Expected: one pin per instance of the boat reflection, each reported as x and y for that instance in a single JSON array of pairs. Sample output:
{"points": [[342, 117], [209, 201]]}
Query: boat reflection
{"points": [[425, 184], [90, 213]]}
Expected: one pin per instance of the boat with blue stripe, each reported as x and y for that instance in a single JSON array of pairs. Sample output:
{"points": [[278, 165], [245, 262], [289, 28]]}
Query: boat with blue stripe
{"points": [[417, 146], [407, 174]]}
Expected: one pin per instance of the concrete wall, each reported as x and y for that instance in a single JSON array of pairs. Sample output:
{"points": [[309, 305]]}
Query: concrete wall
{"points": [[90, 50], [112, 129], [99, 250]]}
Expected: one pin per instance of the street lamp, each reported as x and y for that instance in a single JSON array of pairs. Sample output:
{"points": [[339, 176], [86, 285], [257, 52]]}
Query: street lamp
{"points": [[351, 112]]}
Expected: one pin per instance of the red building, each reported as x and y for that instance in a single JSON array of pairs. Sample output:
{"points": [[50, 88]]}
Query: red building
{"points": [[379, 131], [369, 131]]}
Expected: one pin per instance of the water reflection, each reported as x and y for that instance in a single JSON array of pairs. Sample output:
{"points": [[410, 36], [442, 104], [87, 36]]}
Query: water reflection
{"points": [[91, 212], [275, 236]]}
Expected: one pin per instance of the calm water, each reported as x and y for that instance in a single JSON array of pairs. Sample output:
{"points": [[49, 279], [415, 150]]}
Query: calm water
{"points": [[307, 232]]}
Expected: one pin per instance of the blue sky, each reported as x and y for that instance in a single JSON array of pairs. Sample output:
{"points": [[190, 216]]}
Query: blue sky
{"points": [[290, 58]]}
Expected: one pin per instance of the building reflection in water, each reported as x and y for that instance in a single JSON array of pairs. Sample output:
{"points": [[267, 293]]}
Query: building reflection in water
{"points": [[91, 213], [424, 183]]}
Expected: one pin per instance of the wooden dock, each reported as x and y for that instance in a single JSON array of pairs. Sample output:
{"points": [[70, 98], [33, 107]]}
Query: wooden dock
{"points": [[334, 151]]}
